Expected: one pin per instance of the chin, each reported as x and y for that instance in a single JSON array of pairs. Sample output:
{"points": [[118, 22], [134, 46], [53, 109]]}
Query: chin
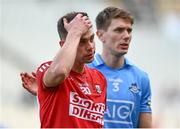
{"points": [[120, 54], [124, 52], [89, 61]]}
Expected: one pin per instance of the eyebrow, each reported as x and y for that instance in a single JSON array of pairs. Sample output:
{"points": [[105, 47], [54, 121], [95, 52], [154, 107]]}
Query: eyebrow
{"points": [[84, 38], [124, 27]]}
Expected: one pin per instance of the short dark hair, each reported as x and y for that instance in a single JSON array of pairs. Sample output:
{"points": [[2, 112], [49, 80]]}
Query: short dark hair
{"points": [[104, 18], [60, 25]]}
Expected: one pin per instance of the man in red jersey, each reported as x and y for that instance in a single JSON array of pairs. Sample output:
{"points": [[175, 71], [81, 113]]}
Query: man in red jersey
{"points": [[70, 94]]}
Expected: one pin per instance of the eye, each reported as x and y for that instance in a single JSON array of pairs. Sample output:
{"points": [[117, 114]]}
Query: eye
{"points": [[129, 30], [92, 39], [119, 30], [83, 40]]}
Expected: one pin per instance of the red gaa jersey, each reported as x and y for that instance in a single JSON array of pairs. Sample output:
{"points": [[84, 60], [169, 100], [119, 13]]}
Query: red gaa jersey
{"points": [[78, 102]]}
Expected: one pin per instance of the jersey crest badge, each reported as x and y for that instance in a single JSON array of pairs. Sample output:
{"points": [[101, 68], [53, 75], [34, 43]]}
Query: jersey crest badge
{"points": [[134, 88], [98, 89]]}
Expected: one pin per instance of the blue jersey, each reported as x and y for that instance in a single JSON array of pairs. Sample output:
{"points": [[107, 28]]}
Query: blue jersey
{"points": [[128, 94]]}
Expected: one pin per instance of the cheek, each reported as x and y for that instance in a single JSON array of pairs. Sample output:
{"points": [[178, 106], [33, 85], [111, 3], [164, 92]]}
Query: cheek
{"points": [[116, 37], [112, 37], [81, 51], [130, 38], [94, 46]]}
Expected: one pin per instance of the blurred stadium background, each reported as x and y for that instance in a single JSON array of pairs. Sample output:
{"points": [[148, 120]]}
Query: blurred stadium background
{"points": [[28, 36]]}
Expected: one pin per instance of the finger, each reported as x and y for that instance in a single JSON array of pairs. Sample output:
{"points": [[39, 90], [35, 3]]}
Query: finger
{"points": [[79, 15], [88, 24], [34, 74], [85, 18], [22, 74], [88, 21], [25, 79], [25, 74], [65, 22], [22, 78], [25, 86], [32, 80], [28, 76]]}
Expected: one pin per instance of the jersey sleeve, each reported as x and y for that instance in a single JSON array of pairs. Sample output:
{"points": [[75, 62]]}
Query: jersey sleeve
{"points": [[41, 71], [146, 95], [39, 75], [43, 91]]}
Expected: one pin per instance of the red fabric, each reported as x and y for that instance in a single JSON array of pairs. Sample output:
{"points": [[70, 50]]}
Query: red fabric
{"points": [[79, 102]]}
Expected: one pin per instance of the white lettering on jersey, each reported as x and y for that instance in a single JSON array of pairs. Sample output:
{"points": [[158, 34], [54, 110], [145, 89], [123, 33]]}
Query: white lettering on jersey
{"points": [[86, 109], [119, 111], [115, 83], [85, 89]]}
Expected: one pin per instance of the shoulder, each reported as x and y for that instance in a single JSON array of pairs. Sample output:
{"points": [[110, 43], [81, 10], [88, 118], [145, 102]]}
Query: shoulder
{"points": [[94, 72], [42, 69], [141, 76], [138, 71], [44, 66]]}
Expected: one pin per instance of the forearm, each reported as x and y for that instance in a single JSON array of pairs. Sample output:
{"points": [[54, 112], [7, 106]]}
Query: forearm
{"points": [[63, 61], [145, 120]]}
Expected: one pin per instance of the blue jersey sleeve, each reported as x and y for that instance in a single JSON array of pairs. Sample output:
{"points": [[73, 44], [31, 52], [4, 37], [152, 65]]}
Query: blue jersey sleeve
{"points": [[146, 95]]}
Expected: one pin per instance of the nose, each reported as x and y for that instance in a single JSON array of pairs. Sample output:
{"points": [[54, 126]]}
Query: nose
{"points": [[90, 46], [127, 35]]}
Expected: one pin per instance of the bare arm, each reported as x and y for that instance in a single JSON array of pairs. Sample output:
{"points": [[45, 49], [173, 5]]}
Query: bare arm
{"points": [[65, 58], [145, 120]]}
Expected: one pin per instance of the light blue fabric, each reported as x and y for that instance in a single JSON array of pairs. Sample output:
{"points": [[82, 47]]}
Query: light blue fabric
{"points": [[128, 93]]}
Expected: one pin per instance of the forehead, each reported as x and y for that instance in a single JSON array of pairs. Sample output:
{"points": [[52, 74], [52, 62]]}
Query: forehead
{"points": [[119, 22], [89, 33]]}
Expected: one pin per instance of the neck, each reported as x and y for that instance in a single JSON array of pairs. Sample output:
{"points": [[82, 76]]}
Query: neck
{"points": [[113, 61], [78, 67]]}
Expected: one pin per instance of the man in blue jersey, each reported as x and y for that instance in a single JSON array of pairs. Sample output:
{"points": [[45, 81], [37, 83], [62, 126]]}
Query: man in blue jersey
{"points": [[129, 92]]}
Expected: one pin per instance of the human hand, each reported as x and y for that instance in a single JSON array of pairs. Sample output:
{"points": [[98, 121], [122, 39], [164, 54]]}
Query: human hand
{"points": [[79, 24], [29, 82]]}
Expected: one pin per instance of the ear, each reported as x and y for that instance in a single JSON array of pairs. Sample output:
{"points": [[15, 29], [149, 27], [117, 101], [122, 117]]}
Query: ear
{"points": [[61, 42], [100, 35]]}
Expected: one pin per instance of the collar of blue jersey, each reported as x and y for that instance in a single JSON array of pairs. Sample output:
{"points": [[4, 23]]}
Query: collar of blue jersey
{"points": [[99, 61]]}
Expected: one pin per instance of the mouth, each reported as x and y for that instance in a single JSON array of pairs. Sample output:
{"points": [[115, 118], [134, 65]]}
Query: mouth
{"points": [[89, 56], [124, 46]]}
